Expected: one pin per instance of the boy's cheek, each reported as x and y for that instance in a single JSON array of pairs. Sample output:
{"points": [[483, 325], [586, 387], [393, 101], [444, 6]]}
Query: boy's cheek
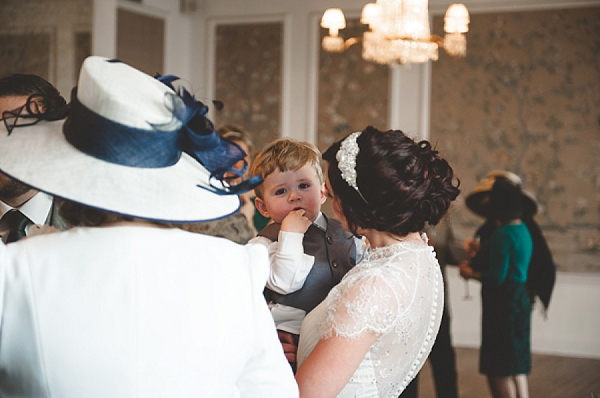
{"points": [[316, 202], [278, 212]]}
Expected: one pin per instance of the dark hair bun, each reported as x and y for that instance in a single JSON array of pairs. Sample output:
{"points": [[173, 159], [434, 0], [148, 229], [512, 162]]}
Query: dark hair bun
{"points": [[406, 184]]}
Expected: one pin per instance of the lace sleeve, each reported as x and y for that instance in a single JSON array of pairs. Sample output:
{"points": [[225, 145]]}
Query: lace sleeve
{"points": [[368, 303]]}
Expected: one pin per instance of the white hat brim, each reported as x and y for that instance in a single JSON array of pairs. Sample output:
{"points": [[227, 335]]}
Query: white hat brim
{"points": [[41, 157]]}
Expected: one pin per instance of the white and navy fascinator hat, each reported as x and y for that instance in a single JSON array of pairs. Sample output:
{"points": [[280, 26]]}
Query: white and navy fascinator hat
{"points": [[479, 200], [130, 145]]}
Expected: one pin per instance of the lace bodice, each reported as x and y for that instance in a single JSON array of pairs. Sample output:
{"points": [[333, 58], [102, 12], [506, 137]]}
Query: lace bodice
{"points": [[396, 292]]}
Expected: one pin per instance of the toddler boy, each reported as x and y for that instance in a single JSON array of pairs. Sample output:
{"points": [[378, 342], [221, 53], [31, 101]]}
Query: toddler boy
{"points": [[309, 253]]}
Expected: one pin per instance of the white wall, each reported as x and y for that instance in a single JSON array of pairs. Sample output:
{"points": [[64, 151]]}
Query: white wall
{"points": [[573, 324]]}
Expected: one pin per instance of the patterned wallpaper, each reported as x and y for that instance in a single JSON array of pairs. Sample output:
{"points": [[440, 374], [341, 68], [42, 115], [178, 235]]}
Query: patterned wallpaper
{"points": [[248, 78], [353, 93], [49, 38], [27, 51], [527, 99]]}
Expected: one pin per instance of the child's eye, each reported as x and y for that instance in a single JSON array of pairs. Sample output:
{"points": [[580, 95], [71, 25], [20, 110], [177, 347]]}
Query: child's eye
{"points": [[280, 191], [304, 185]]}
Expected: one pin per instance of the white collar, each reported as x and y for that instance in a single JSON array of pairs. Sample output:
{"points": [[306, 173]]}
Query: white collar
{"points": [[36, 209], [321, 222]]}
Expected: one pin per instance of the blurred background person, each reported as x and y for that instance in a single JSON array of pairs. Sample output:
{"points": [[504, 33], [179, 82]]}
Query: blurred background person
{"points": [[541, 276], [239, 136], [502, 258], [238, 227]]}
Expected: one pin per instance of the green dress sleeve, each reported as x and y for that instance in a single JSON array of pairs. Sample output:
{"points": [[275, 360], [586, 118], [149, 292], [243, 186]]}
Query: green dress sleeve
{"points": [[500, 249]]}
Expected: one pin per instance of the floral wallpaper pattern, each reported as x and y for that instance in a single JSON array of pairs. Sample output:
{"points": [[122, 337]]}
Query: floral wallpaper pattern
{"points": [[248, 78], [25, 52], [46, 38], [527, 99], [353, 93]]}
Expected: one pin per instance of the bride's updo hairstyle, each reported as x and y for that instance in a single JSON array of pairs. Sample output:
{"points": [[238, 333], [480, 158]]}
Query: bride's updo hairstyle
{"points": [[401, 185]]}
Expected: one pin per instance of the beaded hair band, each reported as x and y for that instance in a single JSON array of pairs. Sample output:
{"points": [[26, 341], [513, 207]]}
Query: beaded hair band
{"points": [[346, 157]]}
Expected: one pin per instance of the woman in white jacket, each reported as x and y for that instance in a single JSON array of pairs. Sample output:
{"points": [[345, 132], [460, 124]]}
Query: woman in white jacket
{"points": [[123, 305]]}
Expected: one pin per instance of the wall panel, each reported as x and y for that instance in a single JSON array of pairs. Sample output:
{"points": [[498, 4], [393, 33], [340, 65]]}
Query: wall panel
{"points": [[527, 99], [352, 93], [248, 71]]}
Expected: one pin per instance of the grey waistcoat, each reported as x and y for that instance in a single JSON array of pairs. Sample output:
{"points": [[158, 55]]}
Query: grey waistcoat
{"points": [[334, 252]]}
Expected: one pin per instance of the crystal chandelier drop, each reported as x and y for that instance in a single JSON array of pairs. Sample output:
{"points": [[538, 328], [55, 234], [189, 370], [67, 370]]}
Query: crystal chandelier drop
{"points": [[399, 32]]}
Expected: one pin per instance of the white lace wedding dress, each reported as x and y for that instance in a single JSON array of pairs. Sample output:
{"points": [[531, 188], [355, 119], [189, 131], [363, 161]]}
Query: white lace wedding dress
{"points": [[395, 292]]}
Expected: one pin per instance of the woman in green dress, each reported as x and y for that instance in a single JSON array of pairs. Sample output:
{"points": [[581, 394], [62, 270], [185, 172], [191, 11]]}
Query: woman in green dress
{"points": [[501, 264]]}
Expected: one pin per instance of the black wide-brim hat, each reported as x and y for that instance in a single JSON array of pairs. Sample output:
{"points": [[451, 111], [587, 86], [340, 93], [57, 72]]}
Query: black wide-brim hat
{"points": [[479, 200]]}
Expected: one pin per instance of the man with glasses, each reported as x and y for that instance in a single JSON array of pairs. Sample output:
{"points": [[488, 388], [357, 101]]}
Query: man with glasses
{"points": [[26, 99]]}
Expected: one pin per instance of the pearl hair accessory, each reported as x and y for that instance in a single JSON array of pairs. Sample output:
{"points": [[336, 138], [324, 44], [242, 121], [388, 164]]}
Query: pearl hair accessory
{"points": [[346, 157]]}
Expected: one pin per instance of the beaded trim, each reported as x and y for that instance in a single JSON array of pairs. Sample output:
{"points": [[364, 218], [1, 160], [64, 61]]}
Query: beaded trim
{"points": [[346, 157], [429, 339]]}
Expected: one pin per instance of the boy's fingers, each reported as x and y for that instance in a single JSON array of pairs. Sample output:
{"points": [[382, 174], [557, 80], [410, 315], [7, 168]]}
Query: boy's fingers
{"points": [[300, 212], [287, 342], [285, 337]]}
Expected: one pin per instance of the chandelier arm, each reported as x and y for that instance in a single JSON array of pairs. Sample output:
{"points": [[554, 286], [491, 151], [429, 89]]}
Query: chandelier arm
{"points": [[351, 41], [437, 39]]}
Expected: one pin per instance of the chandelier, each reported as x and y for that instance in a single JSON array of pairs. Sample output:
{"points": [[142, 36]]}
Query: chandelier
{"points": [[399, 32]]}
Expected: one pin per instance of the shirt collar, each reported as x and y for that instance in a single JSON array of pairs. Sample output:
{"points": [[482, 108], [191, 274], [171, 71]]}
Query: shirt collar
{"points": [[36, 209], [321, 222]]}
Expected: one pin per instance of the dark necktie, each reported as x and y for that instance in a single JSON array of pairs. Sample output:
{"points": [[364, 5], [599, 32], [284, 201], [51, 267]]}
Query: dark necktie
{"points": [[16, 222]]}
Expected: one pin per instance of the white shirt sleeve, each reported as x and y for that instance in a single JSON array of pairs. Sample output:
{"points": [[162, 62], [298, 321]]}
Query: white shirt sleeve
{"points": [[289, 265]]}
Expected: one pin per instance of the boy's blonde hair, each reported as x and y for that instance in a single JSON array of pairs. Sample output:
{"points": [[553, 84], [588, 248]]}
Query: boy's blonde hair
{"points": [[285, 154]]}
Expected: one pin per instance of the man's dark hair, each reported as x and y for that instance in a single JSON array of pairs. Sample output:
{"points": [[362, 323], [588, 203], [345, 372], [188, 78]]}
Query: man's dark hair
{"points": [[45, 94]]}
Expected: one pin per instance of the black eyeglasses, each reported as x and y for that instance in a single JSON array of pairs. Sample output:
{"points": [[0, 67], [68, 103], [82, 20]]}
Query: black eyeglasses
{"points": [[34, 113], [17, 118]]}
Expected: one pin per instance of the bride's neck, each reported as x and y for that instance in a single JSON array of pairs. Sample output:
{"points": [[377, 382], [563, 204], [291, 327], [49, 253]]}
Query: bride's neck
{"points": [[382, 239]]}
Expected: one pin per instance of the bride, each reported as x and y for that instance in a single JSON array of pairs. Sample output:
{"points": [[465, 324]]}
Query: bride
{"points": [[373, 332]]}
